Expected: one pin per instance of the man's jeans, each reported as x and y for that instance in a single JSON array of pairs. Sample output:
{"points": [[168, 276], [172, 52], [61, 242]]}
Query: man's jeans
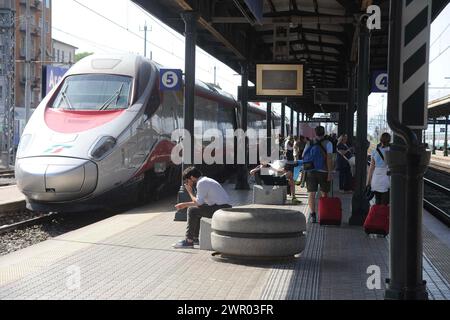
{"points": [[194, 215]]}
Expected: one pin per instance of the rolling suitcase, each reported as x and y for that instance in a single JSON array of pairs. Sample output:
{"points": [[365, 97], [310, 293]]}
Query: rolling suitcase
{"points": [[330, 210], [377, 221]]}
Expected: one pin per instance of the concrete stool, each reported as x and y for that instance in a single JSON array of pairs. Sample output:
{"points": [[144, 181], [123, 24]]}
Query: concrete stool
{"points": [[205, 234], [258, 231], [264, 194]]}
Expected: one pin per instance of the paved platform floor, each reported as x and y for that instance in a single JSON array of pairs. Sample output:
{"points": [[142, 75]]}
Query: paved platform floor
{"points": [[129, 256]]}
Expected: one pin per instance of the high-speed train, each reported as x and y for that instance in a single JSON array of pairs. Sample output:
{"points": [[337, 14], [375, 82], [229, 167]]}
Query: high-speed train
{"points": [[103, 135]]}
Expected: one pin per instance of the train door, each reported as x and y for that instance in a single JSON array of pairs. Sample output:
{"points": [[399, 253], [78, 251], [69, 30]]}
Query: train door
{"points": [[137, 147]]}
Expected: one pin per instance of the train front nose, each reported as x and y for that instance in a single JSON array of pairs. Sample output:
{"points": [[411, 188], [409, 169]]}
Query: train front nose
{"points": [[56, 179]]}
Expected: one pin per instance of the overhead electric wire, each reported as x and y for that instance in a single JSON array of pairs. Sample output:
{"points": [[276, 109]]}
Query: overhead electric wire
{"points": [[171, 31], [126, 29], [440, 35], [139, 36], [95, 44], [440, 54]]}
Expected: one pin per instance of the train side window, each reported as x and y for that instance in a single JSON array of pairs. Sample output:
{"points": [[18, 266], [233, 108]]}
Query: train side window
{"points": [[156, 121], [168, 119], [153, 102], [206, 116], [143, 78], [225, 118]]}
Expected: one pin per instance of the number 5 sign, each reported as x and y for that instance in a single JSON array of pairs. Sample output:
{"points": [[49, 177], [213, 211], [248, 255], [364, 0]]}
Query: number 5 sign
{"points": [[379, 81], [170, 79]]}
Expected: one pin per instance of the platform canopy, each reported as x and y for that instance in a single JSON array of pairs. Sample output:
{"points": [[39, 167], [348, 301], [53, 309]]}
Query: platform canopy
{"points": [[321, 34], [439, 107]]}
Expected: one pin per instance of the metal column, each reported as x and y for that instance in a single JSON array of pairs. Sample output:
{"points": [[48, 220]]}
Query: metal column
{"points": [[446, 137], [291, 131], [433, 151], [43, 42], [269, 127], [298, 124], [190, 21], [349, 117], [283, 120], [360, 205], [407, 158], [242, 176], [341, 122], [27, 61]]}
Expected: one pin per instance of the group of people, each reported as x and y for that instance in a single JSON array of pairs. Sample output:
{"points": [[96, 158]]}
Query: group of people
{"points": [[318, 162], [294, 147]]}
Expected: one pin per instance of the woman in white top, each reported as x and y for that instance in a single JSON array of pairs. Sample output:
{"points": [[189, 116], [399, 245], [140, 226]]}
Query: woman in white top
{"points": [[378, 177]]}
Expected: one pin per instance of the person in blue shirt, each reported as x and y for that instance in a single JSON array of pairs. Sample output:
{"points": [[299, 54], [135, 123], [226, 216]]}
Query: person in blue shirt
{"points": [[378, 178], [319, 176]]}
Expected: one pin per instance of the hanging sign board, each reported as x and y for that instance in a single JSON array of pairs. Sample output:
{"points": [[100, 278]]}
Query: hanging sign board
{"points": [[331, 96], [279, 80], [170, 79], [379, 81]]}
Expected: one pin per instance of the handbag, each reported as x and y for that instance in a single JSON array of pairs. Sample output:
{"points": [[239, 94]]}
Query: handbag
{"points": [[369, 194]]}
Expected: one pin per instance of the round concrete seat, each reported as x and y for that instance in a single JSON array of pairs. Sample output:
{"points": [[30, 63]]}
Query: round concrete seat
{"points": [[258, 231]]}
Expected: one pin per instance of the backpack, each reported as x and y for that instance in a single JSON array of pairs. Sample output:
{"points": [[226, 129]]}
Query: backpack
{"points": [[314, 157]]}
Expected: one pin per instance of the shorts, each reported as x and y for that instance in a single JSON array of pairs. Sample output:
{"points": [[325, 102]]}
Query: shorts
{"points": [[289, 167], [316, 178]]}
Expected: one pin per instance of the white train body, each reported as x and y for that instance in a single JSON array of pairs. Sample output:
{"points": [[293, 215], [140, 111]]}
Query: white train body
{"points": [[104, 128]]}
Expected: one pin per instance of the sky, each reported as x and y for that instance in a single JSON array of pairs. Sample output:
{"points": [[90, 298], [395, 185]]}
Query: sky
{"points": [[75, 22]]}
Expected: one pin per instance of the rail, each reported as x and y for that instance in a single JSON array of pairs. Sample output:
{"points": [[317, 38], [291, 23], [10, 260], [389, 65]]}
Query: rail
{"points": [[26, 223]]}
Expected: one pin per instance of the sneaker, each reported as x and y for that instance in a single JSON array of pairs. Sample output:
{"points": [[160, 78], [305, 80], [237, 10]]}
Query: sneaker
{"points": [[183, 244], [296, 201], [312, 217], [196, 242]]}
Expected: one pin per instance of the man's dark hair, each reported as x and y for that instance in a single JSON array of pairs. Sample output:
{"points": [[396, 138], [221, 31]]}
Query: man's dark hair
{"points": [[191, 172], [320, 131]]}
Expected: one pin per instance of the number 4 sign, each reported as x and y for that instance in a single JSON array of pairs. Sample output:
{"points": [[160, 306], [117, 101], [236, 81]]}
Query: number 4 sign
{"points": [[379, 81], [170, 79]]}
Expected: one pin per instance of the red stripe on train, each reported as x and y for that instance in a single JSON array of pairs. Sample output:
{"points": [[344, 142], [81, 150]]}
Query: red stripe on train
{"points": [[161, 153], [70, 121]]}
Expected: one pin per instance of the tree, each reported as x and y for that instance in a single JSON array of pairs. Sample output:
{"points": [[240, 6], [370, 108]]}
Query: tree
{"points": [[82, 55]]}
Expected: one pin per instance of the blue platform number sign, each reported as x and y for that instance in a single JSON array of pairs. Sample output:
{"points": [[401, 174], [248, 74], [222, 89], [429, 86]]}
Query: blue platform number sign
{"points": [[170, 79], [380, 81]]}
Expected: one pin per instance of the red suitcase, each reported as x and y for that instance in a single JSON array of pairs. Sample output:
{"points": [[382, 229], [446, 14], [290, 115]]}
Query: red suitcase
{"points": [[377, 220], [330, 211]]}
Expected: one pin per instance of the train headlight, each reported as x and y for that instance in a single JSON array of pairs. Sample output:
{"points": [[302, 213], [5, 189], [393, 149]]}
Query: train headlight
{"points": [[102, 148], [23, 144]]}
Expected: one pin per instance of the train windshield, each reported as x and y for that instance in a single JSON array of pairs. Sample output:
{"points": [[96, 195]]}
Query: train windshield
{"points": [[94, 92]]}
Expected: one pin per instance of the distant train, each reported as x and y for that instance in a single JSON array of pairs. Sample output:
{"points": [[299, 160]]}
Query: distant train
{"points": [[103, 135]]}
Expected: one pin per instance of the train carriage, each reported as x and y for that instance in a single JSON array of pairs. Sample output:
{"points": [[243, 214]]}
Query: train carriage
{"points": [[104, 135]]}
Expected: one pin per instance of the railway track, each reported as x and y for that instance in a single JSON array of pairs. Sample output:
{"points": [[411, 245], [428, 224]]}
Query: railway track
{"points": [[6, 177], [437, 194], [26, 222], [7, 174]]}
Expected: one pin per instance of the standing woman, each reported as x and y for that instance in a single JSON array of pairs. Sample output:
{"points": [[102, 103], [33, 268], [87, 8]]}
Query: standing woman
{"points": [[378, 177], [343, 166]]}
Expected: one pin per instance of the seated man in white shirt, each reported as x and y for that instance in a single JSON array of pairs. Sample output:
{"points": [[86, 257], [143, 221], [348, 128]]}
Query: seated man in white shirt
{"points": [[274, 174], [210, 198]]}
